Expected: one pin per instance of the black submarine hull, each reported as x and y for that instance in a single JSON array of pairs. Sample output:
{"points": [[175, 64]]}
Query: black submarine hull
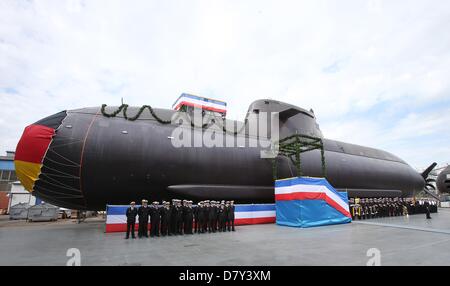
{"points": [[443, 181], [95, 160]]}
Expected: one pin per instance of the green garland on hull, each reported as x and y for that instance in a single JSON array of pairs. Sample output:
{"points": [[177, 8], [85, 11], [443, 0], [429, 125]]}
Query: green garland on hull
{"points": [[291, 146], [124, 108]]}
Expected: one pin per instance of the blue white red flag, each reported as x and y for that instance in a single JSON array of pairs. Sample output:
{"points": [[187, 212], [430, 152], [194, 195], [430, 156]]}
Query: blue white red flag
{"points": [[200, 102], [306, 201]]}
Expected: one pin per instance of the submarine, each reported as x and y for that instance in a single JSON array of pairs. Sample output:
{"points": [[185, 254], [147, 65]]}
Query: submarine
{"points": [[90, 157], [443, 181]]}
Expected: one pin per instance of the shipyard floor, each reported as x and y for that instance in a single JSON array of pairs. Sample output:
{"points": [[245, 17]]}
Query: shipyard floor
{"points": [[409, 240]]}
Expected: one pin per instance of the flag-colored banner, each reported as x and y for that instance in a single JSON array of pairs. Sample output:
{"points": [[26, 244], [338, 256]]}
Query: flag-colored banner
{"points": [[305, 202], [116, 220], [200, 102]]}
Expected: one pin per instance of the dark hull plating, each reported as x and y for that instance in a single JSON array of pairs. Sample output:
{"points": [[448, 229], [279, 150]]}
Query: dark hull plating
{"points": [[443, 181], [92, 162]]}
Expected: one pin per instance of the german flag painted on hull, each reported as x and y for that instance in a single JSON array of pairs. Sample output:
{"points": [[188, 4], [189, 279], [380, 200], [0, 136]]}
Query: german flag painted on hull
{"points": [[30, 153]]}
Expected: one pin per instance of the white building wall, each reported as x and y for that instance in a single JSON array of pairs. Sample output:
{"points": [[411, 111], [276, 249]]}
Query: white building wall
{"points": [[20, 195]]}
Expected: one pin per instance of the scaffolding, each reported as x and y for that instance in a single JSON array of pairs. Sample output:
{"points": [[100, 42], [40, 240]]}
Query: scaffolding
{"points": [[292, 146]]}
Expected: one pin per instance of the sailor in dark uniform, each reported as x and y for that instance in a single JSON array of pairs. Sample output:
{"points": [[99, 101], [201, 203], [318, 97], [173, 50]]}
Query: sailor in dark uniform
{"points": [[427, 209], [183, 208], [221, 216], [395, 207], [387, 208], [227, 211], [391, 207], [173, 220], [363, 208], [369, 209], [201, 217], [143, 212], [188, 217], [231, 215], [155, 219], [410, 206], [212, 217], [377, 208], [206, 208], [166, 213], [196, 211], [374, 208], [179, 217], [405, 207], [434, 206], [216, 215], [131, 214]]}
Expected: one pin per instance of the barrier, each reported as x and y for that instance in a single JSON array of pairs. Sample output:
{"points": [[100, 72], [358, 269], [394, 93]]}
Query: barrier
{"points": [[445, 204], [245, 214], [307, 202], [254, 214]]}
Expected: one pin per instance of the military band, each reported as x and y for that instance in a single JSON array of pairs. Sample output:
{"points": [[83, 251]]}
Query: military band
{"points": [[180, 217], [368, 208]]}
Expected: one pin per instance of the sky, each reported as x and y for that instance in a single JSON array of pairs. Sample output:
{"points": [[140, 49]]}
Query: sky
{"points": [[376, 73]]}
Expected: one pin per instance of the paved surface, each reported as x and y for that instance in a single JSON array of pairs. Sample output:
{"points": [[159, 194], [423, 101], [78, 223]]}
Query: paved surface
{"points": [[401, 241]]}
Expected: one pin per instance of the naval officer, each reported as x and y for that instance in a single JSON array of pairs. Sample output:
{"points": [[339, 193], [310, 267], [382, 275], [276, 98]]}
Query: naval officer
{"points": [[155, 217], [427, 209], [212, 217], [166, 213], [231, 216], [196, 211], [173, 218], [131, 214], [143, 212], [227, 215], [220, 216], [179, 217], [201, 217], [188, 217], [206, 208]]}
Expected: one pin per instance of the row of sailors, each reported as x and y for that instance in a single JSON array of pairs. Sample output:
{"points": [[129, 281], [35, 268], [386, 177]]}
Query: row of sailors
{"points": [[180, 217], [422, 206], [367, 208]]}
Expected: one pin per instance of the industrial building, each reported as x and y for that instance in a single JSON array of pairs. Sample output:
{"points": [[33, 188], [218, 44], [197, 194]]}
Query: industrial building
{"points": [[11, 190], [7, 176]]}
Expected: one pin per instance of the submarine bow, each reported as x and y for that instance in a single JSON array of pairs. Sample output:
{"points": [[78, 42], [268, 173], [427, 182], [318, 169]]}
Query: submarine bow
{"points": [[44, 171]]}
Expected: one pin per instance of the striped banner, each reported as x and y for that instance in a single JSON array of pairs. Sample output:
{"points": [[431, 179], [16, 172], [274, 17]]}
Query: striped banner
{"points": [[200, 102], [306, 201], [244, 214], [254, 214], [306, 188]]}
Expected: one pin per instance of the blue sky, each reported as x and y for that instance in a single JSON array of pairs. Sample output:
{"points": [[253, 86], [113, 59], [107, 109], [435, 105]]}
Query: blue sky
{"points": [[375, 72]]}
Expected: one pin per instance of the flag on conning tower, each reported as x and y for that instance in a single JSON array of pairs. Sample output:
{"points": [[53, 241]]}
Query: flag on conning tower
{"points": [[204, 103]]}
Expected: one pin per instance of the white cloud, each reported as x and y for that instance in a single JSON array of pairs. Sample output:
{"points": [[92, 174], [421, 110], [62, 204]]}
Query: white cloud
{"points": [[343, 59]]}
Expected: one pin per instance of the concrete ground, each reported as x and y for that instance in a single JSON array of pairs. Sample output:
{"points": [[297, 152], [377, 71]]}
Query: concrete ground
{"points": [[401, 241]]}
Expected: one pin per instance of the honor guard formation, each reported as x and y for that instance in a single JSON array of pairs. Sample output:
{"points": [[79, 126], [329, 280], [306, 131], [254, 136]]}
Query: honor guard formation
{"points": [[180, 217], [367, 208]]}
